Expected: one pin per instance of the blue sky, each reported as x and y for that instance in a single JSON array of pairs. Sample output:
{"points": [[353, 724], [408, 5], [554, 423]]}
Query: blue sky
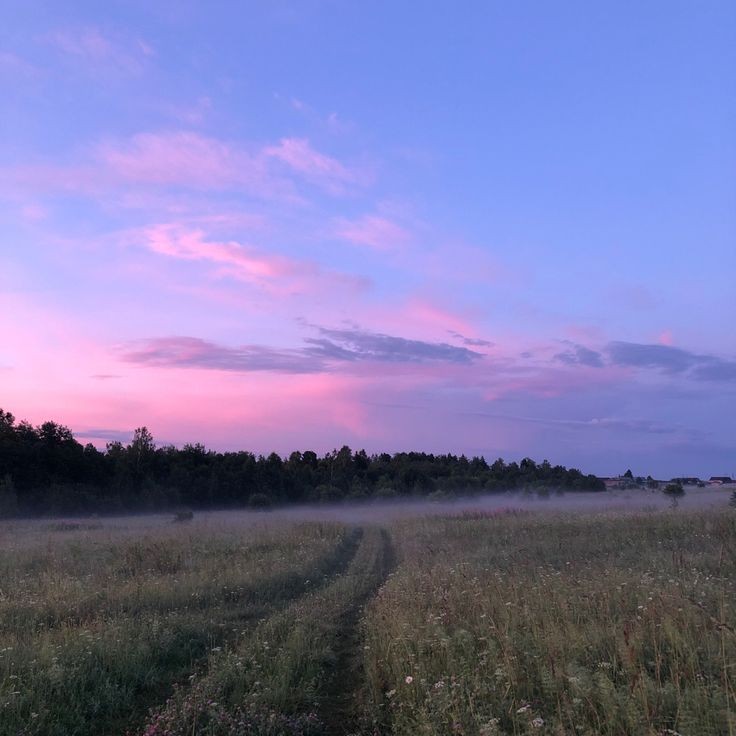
{"points": [[484, 228]]}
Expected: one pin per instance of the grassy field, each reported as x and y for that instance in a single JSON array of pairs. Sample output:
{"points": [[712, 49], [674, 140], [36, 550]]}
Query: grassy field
{"points": [[463, 622]]}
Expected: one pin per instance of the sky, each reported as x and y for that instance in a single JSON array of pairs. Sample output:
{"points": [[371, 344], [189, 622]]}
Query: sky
{"points": [[491, 228]]}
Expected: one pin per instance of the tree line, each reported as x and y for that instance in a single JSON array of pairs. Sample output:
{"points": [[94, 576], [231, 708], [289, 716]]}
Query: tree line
{"points": [[45, 470]]}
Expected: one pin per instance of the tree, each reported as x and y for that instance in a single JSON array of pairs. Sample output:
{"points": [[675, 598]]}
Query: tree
{"points": [[8, 498], [629, 474], [674, 491], [142, 446]]}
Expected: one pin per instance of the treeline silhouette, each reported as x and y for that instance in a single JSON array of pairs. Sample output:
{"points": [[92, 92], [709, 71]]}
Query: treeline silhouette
{"points": [[45, 470]]}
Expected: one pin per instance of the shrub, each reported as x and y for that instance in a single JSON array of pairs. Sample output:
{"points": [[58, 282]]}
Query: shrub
{"points": [[259, 501]]}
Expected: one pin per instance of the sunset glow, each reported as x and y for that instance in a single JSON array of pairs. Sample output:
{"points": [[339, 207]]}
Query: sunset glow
{"points": [[280, 226]]}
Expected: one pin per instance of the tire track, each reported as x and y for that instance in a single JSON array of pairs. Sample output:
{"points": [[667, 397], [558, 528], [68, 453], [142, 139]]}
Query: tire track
{"points": [[257, 604], [342, 710]]}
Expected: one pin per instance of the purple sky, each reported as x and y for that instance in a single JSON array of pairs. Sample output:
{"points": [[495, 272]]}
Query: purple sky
{"points": [[491, 228]]}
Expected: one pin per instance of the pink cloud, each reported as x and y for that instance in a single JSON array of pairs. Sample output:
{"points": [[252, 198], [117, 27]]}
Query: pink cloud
{"points": [[33, 212], [373, 231], [183, 159], [420, 317], [665, 338], [90, 44], [191, 245], [16, 65], [192, 114], [277, 274], [323, 170]]}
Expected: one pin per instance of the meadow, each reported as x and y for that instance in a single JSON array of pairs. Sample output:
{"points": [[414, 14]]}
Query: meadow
{"points": [[466, 620]]}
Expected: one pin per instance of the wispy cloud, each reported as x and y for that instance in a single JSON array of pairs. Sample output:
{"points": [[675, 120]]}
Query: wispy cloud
{"points": [[663, 358], [673, 361], [111, 435], [192, 352], [91, 45], [373, 231], [316, 355], [475, 342], [178, 161], [580, 355], [358, 344], [316, 167], [185, 159], [12, 63], [242, 261]]}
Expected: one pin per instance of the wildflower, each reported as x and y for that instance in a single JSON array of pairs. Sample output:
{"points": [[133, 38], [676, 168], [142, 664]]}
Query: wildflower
{"points": [[489, 728], [524, 708], [408, 679], [537, 722]]}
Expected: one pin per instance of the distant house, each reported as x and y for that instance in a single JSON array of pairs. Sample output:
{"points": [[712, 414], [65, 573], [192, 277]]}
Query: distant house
{"points": [[687, 481], [720, 479]]}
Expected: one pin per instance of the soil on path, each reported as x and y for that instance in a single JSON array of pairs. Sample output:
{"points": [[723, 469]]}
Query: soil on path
{"points": [[342, 710]]}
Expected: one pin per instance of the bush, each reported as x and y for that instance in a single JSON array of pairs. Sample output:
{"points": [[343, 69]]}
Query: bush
{"points": [[674, 491], [259, 501]]}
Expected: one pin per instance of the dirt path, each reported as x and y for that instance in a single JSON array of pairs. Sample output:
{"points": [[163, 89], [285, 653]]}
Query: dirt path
{"points": [[341, 709], [254, 605]]}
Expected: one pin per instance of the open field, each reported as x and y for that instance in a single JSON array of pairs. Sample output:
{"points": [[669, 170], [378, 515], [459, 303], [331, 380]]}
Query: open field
{"points": [[545, 618]]}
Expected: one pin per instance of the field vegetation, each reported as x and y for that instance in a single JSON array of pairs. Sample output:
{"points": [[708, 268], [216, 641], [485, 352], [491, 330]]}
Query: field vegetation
{"points": [[474, 623]]}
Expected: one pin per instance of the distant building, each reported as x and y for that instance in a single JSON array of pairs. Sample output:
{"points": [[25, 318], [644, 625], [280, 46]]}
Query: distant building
{"points": [[720, 479], [687, 481]]}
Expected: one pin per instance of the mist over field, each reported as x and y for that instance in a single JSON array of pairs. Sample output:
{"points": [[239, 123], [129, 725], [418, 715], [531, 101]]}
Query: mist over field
{"points": [[384, 512]]}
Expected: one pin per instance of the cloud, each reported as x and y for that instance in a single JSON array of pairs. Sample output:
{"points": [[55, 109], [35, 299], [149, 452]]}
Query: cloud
{"points": [[471, 341], [373, 231], [244, 262], [715, 369], [645, 426], [672, 361], [664, 358], [112, 435], [580, 355], [317, 354], [318, 168], [92, 46], [185, 159], [11, 63], [642, 426], [362, 345], [193, 352]]}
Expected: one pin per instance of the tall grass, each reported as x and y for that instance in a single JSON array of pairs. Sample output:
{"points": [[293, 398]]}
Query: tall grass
{"points": [[279, 676], [513, 623], [95, 630], [589, 625]]}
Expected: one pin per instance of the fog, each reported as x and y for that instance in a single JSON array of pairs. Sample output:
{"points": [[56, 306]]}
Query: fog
{"points": [[368, 512], [588, 502]]}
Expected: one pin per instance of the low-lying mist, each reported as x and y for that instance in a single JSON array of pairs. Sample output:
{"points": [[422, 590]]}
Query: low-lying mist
{"points": [[386, 511]]}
